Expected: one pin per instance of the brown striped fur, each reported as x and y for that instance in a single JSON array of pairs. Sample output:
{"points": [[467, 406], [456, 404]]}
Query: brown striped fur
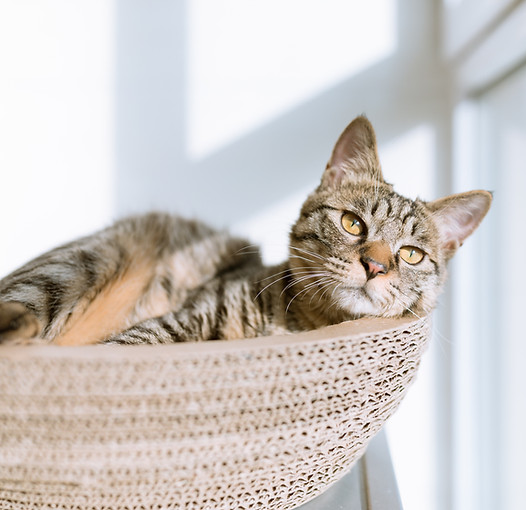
{"points": [[159, 278]]}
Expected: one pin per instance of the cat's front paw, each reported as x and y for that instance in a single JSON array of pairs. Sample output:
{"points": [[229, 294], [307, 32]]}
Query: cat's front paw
{"points": [[17, 323]]}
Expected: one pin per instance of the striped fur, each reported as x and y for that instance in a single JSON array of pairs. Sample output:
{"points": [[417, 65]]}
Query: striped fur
{"points": [[161, 279]]}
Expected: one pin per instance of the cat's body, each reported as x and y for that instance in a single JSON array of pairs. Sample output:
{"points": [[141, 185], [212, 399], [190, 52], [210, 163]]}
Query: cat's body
{"points": [[357, 249]]}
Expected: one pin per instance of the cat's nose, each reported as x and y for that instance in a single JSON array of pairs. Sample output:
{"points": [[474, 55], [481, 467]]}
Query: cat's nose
{"points": [[376, 258], [372, 267]]}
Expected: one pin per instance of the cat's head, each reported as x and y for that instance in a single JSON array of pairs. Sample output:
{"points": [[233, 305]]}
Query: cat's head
{"points": [[361, 249]]}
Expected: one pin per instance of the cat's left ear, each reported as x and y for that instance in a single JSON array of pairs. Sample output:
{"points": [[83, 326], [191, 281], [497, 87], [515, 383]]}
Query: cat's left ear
{"points": [[457, 217], [355, 155]]}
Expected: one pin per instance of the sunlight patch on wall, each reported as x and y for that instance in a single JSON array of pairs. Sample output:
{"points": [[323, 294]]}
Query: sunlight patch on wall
{"points": [[270, 228], [56, 123], [408, 163], [249, 62]]}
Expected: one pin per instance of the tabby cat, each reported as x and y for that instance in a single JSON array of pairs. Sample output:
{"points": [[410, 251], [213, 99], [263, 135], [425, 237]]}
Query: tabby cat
{"points": [[358, 249]]}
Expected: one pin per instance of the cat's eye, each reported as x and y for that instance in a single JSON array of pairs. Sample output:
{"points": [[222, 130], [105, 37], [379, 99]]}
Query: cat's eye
{"points": [[411, 254], [353, 224]]}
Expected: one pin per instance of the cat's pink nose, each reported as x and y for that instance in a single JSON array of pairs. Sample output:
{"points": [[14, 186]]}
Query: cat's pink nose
{"points": [[372, 267]]}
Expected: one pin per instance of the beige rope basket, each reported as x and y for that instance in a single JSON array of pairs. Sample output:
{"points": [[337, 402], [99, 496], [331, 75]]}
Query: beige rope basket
{"points": [[264, 423]]}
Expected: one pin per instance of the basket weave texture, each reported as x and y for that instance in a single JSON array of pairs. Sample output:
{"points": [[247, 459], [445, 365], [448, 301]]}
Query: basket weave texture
{"points": [[263, 423]]}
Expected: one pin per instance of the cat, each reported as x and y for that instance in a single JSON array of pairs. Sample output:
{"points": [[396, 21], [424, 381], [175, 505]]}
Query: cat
{"points": [[357, 249]]}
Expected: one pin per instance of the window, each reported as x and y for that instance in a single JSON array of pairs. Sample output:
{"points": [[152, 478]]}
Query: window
{"points": [[488, 394], [488, 406], [229, 112]]}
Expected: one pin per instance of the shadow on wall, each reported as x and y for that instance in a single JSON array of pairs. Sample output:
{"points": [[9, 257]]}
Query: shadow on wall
{"points": [[271, 162]]}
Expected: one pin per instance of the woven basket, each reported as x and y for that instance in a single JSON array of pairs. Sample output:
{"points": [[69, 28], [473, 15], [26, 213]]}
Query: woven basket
{"points": [[264, 423]]}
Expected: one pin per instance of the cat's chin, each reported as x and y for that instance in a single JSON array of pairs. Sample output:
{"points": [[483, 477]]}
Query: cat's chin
{"points": [[356, 302]]}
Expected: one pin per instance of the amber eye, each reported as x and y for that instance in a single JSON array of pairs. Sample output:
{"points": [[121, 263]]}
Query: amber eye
{"points": [[353, 224], [411, 254]]}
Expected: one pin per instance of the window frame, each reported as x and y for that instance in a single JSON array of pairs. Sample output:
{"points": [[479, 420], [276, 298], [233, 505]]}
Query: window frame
{"points": [[491, 50]]}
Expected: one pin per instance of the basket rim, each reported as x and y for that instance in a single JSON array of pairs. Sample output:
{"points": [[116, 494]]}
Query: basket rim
{"points": [[349, 329]]}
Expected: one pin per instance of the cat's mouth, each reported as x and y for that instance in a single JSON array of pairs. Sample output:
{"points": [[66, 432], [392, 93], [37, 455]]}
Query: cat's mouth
{"points": [[367, 299], [359, 292], [347, 288]]}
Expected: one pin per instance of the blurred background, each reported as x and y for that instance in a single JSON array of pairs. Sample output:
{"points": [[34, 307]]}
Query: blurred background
{"points": [[227, 110]]}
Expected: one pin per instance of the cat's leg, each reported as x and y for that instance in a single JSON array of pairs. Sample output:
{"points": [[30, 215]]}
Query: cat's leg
{"points": [[89, 289], [220, 310], [18, 324], [68, 294], [167, 329], [202, 317], [40, 300]]}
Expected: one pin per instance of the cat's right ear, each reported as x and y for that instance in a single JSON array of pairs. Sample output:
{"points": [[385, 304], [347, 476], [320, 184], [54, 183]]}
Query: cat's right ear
{"points": [[457, 216], [354, 157]]}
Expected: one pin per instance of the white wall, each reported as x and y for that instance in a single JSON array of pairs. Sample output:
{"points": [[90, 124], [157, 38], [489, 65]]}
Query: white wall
{"points": [[57, 138]]}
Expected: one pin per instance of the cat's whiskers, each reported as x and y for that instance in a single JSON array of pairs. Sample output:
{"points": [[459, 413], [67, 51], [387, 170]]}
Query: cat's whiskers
{"points": [[307, 252], [303, 258], [405, 305], [414, 313], [383, 304], [334, 301], [440, 336], [324, 285], [323, 279], [247, 252], [303, 275], [305, 289], [269, 285], [282, 272], [295, 281], [300, 257], [387, 302], [254, 247]]}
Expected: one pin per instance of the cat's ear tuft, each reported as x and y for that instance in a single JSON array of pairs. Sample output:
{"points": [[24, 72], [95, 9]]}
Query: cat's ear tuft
{"points": [[355, 155], [457, 217]]}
